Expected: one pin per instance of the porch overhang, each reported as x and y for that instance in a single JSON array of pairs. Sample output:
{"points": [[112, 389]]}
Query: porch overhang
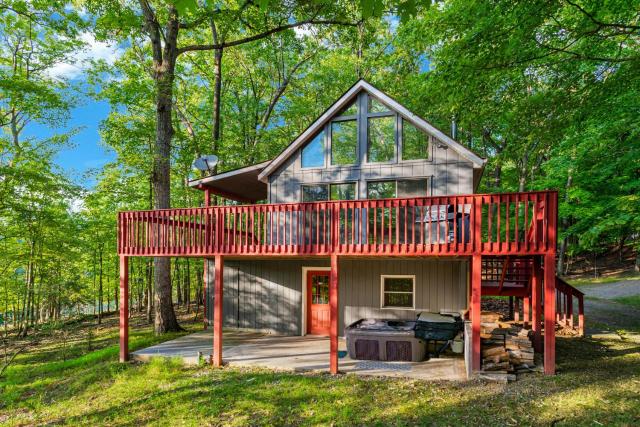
{"points": [[241, 185]]}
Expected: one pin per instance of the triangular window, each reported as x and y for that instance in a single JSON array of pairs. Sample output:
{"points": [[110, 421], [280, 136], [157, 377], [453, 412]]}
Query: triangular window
{"points": [[351, 110], [376, 106]]}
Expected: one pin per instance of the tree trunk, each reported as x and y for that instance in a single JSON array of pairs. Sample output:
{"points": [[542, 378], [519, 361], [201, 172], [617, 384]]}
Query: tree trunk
{"points": [[565, 224], [100, 288], [149, 292], [164, 60], [217, 96]]}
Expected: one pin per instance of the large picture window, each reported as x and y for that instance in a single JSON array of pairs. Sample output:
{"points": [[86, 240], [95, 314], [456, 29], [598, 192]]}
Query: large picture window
{"points": [[382, 139], [397, 291], [313, 152], [344, 142]]}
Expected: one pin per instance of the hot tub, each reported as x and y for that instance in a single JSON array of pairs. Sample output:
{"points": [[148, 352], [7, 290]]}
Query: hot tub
{"points": [[392, 340]]}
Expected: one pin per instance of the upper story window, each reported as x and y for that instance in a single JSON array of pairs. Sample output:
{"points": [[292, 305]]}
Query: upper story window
{"points": [[344, 142], [381, 189], [324, 192], [351, 110], [315, 193], [375, 106], [313, 152], [388, 137], [415, 143], [418, 187], [345, 191], [382, 139]]}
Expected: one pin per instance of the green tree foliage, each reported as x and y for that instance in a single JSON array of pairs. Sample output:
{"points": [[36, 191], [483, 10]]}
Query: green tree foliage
{"points": [[548, 92]]}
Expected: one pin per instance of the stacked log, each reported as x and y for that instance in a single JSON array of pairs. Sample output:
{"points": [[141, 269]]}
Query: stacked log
{"points": [[507, 349]]}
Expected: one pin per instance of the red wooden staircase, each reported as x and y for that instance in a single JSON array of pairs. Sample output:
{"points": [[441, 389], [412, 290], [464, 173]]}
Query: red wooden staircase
{"points": [[512, 276]]}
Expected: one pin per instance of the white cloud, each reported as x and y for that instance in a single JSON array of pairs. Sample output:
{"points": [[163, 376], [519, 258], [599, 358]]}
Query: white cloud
{"points": [[93, 50], [304, 31], [76, 205]]}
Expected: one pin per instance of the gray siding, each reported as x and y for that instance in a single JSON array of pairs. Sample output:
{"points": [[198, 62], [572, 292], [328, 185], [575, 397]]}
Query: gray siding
{"points": [[265, 295]]}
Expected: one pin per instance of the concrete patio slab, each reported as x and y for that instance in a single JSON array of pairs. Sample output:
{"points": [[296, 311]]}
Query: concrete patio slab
{"points": [[295, 353]]}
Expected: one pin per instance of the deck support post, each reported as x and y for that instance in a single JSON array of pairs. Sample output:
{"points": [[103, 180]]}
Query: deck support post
{"points": [[333, 315], [205, 294], [536, 295], [549, 314], [124, 308], [476, 310], [581, 315], [526, 307], [216, 359], [205, 267], [516, 313]]}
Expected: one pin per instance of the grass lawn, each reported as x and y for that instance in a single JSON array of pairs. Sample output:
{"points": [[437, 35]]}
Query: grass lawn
{"points": [[598, 383], [633, 300]]}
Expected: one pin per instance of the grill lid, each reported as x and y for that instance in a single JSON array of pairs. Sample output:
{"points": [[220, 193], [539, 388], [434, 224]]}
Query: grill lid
{"points": [[435, 318]]}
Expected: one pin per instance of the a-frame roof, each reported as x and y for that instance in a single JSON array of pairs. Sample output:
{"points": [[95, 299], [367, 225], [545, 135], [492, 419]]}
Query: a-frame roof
{"points": [[345, 100]]}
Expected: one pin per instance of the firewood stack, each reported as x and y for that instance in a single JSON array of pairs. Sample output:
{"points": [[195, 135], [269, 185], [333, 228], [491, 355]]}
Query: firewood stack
{"points": [[507, 349]]}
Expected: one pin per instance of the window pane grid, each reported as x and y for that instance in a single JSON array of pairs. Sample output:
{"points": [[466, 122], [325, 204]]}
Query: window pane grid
{"points": [[397, 292]]}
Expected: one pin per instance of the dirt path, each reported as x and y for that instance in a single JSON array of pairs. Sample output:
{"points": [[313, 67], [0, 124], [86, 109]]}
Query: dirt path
{"points": [[602, 314]]}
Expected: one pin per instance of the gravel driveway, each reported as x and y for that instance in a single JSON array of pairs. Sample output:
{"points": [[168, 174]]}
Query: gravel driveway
{"points": [[612, 290], [599, 308]]}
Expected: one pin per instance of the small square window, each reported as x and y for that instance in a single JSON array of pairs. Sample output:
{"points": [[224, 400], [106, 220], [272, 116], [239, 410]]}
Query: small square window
{"points": [[398, 291]]}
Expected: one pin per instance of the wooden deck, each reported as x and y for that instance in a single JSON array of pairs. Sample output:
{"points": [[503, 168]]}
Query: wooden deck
{"points": [[486, 224]]}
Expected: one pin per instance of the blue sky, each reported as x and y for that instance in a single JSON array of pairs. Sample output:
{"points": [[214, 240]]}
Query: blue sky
{"points": [[86, 152]]}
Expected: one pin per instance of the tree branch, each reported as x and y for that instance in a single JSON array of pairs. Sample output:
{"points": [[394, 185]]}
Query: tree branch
{"points": [[596, 21], [280, 28]]}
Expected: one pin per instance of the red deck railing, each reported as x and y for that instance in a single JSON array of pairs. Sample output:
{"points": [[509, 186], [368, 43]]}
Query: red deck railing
{"points": [[565, 310], [498, 224]]}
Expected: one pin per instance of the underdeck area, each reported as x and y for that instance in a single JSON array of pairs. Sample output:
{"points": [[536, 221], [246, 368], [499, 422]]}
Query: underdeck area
{"points": [[296, 353]]}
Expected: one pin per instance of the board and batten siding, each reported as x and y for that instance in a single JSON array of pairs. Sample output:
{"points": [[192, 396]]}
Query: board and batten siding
{"points": [[447, 171], [266, 296]]}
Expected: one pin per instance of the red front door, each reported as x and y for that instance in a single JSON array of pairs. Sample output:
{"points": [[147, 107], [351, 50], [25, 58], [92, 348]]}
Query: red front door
{"points": [[318, 302]]}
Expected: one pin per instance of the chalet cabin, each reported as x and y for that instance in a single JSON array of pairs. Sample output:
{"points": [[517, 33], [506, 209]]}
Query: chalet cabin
{"points": [[370, 213]]}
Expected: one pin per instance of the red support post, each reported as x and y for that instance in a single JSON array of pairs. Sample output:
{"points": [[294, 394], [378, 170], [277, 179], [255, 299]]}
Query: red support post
{"points": [[536, 295], [205, 293], [526, 304], [124, 308], [476, 317], [581, 315], [549, 314], [570, 309], [217, 311], [516, 311], [333, 315]]}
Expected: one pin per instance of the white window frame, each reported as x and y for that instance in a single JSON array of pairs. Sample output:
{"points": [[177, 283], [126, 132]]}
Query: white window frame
{"points": [[398, 276]]}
